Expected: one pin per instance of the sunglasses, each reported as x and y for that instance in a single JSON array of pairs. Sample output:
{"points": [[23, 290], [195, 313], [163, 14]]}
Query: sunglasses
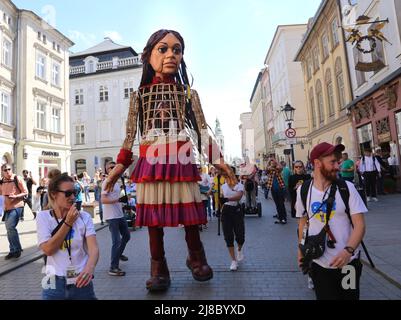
{"points": [[298, 167], [68, 193], [5, 170]]}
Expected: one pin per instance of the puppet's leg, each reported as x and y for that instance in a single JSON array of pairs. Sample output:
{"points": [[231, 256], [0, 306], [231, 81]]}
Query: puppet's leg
{"points": [[159, 274], [196, 260]]}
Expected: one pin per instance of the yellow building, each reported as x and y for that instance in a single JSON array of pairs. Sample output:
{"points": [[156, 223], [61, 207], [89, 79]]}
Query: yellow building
{"points": [[326, 78]]}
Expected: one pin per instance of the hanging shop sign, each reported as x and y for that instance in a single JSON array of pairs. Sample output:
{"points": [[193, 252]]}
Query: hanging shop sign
{"points": [[50, 154], [367, 43]]}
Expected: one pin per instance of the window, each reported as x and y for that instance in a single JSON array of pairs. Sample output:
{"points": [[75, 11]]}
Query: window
{"points": [[103, 94], [4, 108], [316, 58], [312, 107], [80, 166], [79, 96], [320, 101], [56, 120], [41, 116], [325, 46], [41, 65], [56, 74], [80, 134], [44, 39], [39, 35], [334, 32], [4, 17], [7, 55], [128, 89], [58, 48], [91, 67], [360, 76], [54, 45], [309, 67], [340, 84], [330, 92]]}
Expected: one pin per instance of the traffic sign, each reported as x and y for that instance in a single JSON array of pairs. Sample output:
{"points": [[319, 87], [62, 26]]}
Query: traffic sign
{"points": [[290, 133], [290, 141]]}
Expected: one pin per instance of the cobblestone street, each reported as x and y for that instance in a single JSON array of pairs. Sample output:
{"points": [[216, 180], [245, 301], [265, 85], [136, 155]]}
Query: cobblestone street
{"points": [[269, 271]]}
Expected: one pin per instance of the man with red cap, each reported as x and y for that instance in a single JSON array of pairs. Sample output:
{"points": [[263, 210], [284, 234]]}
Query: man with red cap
{"points": [[340, 256]]}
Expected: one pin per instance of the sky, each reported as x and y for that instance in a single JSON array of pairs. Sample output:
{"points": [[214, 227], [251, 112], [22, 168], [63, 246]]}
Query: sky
{"points": [[226, 41]]}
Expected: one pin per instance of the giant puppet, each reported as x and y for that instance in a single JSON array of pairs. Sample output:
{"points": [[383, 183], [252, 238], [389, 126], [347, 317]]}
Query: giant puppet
{"points": [[168, 112]]}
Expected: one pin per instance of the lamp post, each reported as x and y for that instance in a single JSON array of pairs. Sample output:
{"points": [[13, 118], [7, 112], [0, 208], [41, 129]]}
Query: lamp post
{"points": [[289, 118]]}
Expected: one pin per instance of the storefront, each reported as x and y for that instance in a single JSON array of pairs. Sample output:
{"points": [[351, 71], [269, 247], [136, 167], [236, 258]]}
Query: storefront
{"points": [[377, 121]]}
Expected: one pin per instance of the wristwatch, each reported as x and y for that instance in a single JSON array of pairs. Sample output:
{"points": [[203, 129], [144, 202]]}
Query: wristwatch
{"points": [[350, 250]]}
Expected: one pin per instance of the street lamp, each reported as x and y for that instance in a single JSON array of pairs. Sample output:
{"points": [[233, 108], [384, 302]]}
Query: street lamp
{"points": [[289, 118]]}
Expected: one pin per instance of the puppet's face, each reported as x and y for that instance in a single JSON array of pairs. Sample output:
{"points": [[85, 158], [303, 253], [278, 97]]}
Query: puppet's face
{"points": [[166, 56]]}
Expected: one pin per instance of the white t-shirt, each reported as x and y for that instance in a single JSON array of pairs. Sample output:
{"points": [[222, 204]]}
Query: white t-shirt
{"points": [[58, 263], [115, 210], [339, 222], [228, 193], [205, 182]]}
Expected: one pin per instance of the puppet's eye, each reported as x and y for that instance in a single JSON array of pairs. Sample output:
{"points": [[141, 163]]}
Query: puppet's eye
{"points": [[177, 50], [162, 49]]}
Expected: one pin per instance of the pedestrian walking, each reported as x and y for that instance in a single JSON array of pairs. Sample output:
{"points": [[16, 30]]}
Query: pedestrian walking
{"points": [[13, 188], [370, 170], [331, 227], [232, 220], [86, 182], [384, 170], [276, 184], [295, 181], [29, 182], [79, 188], [68, 239], [285, 173], [114, 215], [167, 193], [347, 168]]}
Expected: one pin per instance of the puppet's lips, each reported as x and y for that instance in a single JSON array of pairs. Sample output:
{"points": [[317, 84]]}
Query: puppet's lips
{"points": [[170, 64]]}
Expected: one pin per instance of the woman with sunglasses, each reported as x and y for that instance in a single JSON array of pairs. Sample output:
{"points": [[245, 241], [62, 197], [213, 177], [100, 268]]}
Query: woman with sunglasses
{"points": [[295, 181], [68, 239]]}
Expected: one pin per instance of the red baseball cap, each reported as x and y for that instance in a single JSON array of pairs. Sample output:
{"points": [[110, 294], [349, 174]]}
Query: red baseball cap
{"points": [[325, 149]]}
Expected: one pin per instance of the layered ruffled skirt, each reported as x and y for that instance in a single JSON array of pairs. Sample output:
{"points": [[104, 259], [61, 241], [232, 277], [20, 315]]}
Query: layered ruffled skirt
{"points": [[167, 188]]}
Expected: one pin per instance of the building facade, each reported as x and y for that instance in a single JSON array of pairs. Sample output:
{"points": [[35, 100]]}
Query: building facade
{"points": [[102, 79], [268, 115], [247, 138], [326, 79], [258, 123], [286, 85], [376, 76], [220, 137], [34, 123]]}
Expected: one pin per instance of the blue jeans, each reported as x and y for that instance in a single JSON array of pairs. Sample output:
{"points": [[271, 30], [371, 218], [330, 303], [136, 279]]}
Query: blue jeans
{"points": [[11, 219], [100, 208], [118, 227], [279, 198], [86, 191], [71, 292]]}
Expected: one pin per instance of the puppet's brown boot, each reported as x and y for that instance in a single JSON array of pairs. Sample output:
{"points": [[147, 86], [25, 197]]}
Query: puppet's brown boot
{"points": [[160, 276], [197, 263]]}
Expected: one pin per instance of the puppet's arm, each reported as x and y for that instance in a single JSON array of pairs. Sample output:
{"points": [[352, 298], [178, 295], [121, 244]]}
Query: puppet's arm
{"points": [[214, 153], [124, 158]]}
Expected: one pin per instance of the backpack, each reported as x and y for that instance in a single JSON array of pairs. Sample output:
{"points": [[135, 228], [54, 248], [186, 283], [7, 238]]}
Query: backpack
{"points": [[344, 193], [25, 198]]}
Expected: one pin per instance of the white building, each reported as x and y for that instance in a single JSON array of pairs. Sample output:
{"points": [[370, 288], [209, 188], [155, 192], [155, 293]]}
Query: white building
{"points": [[286, 81], [258, 123], [220, 137], [247, 137], [101, 79], [34, 117]]}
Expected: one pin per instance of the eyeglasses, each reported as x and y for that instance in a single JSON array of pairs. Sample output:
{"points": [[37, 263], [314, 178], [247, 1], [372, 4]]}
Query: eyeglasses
{"points": [[298, 167], [8, 169], [68, 193]]}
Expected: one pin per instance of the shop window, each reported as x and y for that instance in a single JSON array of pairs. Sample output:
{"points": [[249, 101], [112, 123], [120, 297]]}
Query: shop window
{"points": [[80, 166]]}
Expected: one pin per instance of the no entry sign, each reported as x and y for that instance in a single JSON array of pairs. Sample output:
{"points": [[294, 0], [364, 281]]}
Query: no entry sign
{"points": [[290, 133]]}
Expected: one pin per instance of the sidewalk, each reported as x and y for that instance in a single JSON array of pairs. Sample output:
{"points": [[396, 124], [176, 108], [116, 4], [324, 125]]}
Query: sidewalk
{"points": [[383, 236], [28, 238]]}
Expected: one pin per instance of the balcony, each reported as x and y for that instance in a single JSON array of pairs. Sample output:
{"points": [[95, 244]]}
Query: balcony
{"points": [[107, 65]]}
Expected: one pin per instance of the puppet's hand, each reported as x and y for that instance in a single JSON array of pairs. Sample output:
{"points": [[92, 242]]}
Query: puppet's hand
{"points": [[228, 174], [113, 177]]}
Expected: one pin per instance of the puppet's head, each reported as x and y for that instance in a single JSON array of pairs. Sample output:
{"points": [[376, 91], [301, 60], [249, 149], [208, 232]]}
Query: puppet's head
{"points": [[163, 57]]}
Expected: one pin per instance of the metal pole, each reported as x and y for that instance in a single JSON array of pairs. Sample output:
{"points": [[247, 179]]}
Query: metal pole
{"points": [[218, 205]]}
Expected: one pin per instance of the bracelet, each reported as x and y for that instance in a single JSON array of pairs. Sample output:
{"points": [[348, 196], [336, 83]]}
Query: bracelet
{"points": [[350, 250], [67, 224]]}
